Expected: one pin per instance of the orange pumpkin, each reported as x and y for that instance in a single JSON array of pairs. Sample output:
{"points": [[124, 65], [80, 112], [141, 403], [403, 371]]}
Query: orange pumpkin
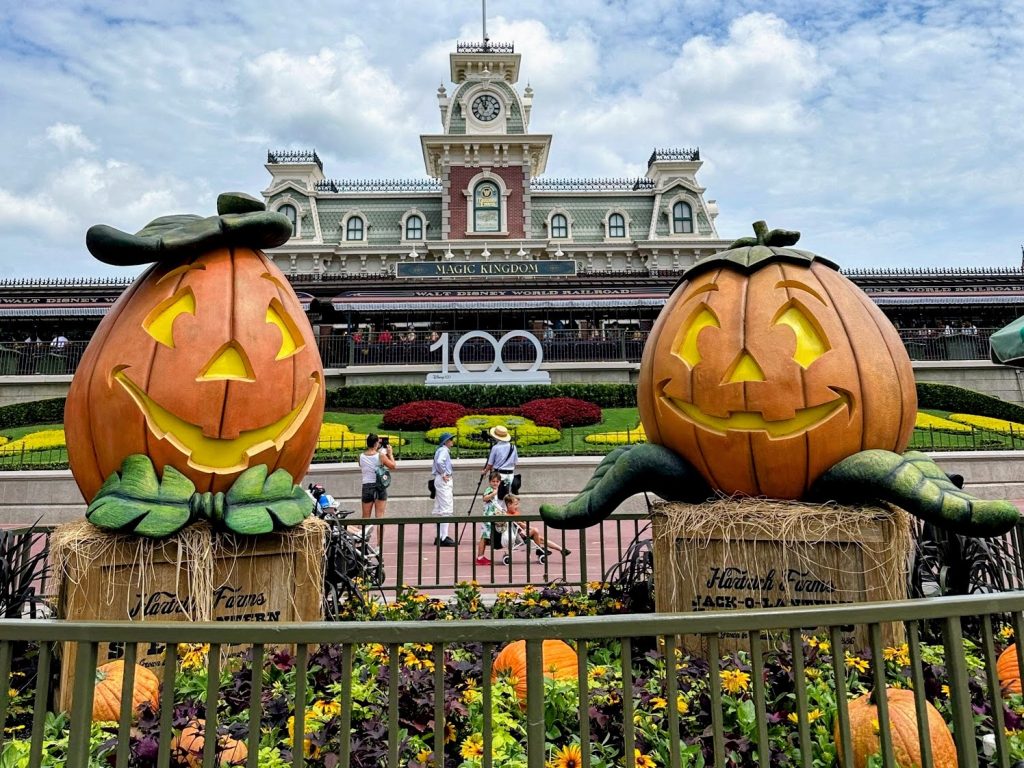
{"points": [[188, 748], [207, 365], [106, 700], [1008, 671], [767, 367], [903, 726], [559, 661]]}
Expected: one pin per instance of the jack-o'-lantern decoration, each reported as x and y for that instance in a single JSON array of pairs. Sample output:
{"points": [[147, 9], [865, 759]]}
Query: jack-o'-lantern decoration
{"points": [[767, 367], [768, 373], [206, 364]]}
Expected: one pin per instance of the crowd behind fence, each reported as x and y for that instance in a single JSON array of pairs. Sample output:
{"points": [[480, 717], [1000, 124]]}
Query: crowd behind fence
{"points": [[343, 350]]}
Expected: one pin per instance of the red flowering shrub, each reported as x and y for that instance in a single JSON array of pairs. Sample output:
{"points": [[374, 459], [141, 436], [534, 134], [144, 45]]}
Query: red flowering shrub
{"points": [[559, 412], [502, 411], [421, 415]]}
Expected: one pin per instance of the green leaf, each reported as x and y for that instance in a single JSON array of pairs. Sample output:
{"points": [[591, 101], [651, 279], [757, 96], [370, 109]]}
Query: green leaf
{"points": [[137, 501], [258, 504]]}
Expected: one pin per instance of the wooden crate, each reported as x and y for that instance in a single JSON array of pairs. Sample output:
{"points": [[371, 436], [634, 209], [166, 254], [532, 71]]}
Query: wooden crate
{"points": [[744, 554], [276, 578]]}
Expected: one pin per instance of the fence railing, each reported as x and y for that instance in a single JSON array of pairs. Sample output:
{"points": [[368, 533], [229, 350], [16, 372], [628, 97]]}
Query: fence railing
{"points": [[559, 346], [637, 694]]}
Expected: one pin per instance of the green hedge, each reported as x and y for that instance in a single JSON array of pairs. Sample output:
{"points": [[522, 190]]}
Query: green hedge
{"points": [[946, 397], [380, 398], [37, 412]]}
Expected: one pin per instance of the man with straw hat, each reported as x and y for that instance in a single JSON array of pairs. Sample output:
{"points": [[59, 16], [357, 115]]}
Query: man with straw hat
{"points": [[503, 458], [444, 497]]}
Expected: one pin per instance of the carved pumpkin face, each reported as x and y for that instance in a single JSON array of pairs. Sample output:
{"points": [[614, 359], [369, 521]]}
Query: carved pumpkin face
{"points": [[209, 367], [765, 380]]}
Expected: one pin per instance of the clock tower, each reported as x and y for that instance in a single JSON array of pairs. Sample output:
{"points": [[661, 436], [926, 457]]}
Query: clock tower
{"points": [[486, 157]]}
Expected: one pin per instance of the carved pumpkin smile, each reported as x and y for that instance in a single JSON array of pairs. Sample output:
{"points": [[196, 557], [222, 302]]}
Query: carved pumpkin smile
{"points": [[212, 454], [751, 421]]}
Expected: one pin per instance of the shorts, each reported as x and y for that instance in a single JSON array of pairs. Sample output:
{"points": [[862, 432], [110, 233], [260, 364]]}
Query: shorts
{"points": [[372, 492]]}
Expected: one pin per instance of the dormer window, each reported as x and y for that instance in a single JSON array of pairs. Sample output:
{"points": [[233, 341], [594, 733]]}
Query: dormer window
{"points": [[293, 216], [414, 228], [682, 218], [616, 225], [354, 229], [559, 226], [486, 207]]}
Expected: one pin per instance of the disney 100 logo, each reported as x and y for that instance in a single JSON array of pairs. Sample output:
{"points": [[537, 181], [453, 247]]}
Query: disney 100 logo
{"points": [[498, 372]]}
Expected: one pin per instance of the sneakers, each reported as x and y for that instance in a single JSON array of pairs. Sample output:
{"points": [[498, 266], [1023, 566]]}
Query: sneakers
{"points": [[483, 560], [566, 552], [447, 541]]}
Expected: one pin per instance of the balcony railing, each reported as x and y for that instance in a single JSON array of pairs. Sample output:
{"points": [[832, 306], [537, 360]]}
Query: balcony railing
{"points": [[559, 346]]}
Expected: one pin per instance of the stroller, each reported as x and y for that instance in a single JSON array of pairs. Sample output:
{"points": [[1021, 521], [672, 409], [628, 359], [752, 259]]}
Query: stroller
{"points": [[351, 564], [510, 537]]}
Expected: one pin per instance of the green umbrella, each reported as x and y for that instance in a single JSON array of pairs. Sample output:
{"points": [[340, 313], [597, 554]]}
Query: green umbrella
{"points": [[1008, 344]]}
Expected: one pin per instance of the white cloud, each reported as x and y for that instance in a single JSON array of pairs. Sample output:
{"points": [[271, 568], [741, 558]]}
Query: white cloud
{"points": [[66, 136]]}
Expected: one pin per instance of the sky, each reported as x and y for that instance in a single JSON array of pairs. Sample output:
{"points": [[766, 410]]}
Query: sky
{"points": [[889, 134]]}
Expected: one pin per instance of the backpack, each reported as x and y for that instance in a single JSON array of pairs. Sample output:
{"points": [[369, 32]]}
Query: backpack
{"points": [[383, 477]]}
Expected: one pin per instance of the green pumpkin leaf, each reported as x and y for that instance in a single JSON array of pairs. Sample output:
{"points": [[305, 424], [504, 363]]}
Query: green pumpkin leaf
{"points": [[257, 504], [622, 473], [917, 484], [137, 501]]}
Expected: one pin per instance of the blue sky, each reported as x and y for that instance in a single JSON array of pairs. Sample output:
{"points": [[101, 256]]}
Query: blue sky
{"points": [[888, 133]]}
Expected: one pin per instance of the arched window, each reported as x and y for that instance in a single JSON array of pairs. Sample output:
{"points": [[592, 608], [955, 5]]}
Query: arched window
{"points": [[682, 218], [414, 228], [293, 217], [559, 225], [486, 207], [616, 225], [354, 228]]}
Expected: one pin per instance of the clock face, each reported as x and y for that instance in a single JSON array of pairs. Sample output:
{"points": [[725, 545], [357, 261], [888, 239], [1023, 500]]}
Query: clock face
{"points": [[485, 107]]}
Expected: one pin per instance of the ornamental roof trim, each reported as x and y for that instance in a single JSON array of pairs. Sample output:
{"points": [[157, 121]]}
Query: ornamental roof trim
{"points": [[622, 184], [276, 157], [676, 154], [378, 185]]}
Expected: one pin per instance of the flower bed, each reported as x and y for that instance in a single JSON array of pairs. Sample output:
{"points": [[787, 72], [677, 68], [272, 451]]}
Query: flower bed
{"points": [[470, 431], [37, 441], [930, 421], [985, 422], [326, 703], [560, 412], [338, 436], [625, 437], [421, 415]]}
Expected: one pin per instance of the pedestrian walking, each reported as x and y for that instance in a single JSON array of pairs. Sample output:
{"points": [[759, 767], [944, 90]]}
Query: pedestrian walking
{"points": [[444, 497], [503, 459]]}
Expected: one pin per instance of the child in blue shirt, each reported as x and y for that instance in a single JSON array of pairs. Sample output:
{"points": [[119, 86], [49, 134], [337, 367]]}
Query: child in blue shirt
{"points": [[492, 507]]}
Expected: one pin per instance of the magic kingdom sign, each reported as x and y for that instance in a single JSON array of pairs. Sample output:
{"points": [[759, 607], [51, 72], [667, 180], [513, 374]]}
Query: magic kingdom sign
{"points": [[485, 268]]}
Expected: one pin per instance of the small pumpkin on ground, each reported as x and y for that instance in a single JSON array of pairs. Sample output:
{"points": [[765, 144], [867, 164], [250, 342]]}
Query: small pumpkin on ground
{"points": [[188, 748], [560, 663], [1008, 670], [903, 726], [106, 702]]}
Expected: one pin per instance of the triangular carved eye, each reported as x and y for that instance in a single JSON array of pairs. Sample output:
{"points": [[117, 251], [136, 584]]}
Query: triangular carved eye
{"points": [[159, 323], [702, 318], [291, 338], [810, 339]]}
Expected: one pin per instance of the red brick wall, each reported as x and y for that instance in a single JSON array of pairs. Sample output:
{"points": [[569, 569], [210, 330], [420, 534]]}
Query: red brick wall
{"points": [[460, 210]]}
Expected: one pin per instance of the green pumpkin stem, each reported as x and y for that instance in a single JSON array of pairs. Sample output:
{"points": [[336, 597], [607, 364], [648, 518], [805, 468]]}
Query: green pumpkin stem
{"points": [[761, 230]]}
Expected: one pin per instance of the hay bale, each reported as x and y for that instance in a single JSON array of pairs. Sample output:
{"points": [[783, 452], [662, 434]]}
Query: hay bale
{"points": [[195, 575], [744, 553]]}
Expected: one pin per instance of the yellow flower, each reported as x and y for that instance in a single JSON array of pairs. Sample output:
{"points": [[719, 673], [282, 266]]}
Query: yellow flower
{"points": [[423, 756], [327, 709], [471, 695], [812, 641], [378, 652], [473, 747], [1006, 632], [734, 681], [642, 760], [682, 705], [930, 421], [874, 725], [813, 673], [857, 663], [307, 744], [985, 422], [900, 655], [449, 733], [193, 655], [598, 672], [825, 646], [945, 691], [658, 703], [570, 756], [813, 715]]}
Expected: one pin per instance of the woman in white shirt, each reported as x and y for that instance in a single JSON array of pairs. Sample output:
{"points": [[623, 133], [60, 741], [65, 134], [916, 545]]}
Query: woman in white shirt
{"points": [[374, 496]]}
